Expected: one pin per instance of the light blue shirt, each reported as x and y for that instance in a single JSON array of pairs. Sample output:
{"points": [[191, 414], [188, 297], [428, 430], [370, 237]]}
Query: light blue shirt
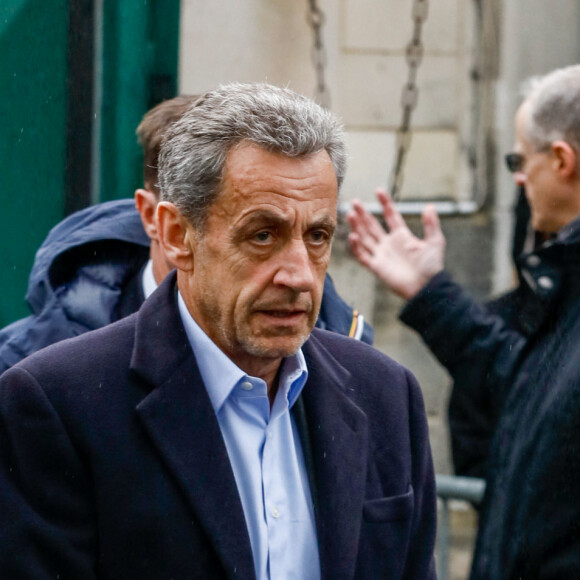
{"points": [[266, 456], [148, 282]]}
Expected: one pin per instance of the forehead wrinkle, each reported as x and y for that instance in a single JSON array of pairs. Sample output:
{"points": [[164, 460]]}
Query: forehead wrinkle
{"points": [[281, 216], [301, 189]]}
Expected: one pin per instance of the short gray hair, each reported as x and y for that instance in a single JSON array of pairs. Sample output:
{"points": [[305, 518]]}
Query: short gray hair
{"points": [[554, 112], [276, 119]]}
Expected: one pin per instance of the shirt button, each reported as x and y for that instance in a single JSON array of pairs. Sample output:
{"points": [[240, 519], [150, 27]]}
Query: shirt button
{"points": [[533, 261], [275, 512], [247, 386], [545, 283]]}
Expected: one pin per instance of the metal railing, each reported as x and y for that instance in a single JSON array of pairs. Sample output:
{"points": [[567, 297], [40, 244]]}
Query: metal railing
{"points": [[451, 487]]}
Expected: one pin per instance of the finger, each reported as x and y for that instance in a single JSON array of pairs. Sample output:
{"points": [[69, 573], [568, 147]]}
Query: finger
{"points": [[364, 223], [355, 218], [360, 237], [431, 223], [393, 218], [359, 250]]}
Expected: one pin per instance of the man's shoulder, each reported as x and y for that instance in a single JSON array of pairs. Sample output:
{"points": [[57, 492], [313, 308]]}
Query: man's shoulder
{"points": [[93, 352], [354, 356], [382, 389]]}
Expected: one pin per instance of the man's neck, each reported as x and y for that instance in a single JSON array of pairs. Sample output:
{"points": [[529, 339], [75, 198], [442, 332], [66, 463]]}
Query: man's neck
{"points": [[262, 368]]}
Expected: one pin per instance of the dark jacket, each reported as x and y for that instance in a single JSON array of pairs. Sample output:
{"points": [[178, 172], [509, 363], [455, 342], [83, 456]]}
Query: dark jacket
{"points": [[472, 417], [78, 276], [86, 275], [530, 521], [112, 463]]}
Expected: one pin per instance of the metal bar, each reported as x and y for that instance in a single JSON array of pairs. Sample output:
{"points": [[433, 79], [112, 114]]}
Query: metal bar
{"points": [[416, 207], [80, 79], [443, 542], [451, 487], [469, 489]]}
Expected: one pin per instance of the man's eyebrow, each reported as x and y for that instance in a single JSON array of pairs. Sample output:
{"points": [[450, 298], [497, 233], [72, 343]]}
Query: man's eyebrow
{"points": [[264, 217], [325, 222]]}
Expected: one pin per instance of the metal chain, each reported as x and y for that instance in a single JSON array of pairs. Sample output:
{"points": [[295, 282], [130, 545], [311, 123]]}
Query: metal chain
{"points": [[316, 19], [410, 95]]}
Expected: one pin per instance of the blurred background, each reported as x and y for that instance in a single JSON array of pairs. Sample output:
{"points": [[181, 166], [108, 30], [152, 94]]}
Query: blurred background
{"points": [[76, 76]]}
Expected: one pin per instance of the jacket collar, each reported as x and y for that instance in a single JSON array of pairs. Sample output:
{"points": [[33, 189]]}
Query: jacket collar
{"points": [[178, 415]]}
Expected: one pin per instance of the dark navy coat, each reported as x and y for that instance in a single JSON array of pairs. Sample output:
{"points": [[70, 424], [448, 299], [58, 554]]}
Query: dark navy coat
{"points": [[112, 463]]}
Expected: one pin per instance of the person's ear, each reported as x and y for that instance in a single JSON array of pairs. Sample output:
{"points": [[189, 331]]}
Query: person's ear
{"points": [[565, 158], [176, 235], [146, 204]]}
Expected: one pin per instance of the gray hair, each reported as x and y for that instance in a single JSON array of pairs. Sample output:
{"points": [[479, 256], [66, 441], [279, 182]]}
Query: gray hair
{"points": [[554, 112], [276, 119]]}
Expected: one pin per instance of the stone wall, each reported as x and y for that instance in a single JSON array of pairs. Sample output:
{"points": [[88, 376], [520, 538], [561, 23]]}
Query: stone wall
{"points": [[476, 54]]}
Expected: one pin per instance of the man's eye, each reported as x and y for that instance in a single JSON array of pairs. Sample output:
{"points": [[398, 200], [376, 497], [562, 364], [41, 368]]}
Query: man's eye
{"points": [[319, 236], [263, 237]]}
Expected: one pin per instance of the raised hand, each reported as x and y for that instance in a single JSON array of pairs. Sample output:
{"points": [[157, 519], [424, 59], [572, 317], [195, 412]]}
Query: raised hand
{"points": [[404, 262]]}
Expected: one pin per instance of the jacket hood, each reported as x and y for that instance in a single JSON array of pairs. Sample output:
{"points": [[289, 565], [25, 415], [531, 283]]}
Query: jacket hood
{"points": [[114, 220]]}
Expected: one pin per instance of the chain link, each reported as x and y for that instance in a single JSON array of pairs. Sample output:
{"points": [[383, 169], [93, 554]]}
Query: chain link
{"points": [[409, 96], [316, 19]]}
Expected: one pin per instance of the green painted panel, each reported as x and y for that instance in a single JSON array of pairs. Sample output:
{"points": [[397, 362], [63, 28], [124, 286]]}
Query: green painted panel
{"points": [[125, 62], [140, 40], [140, 47], [33, 40]]}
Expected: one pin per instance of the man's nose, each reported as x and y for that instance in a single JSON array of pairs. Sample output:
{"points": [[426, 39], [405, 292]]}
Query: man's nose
{"points": [[295, 268]]}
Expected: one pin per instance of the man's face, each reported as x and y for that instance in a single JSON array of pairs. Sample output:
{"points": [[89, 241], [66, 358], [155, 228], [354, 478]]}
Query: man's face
{"points": [[259, 264], [538, 177]]}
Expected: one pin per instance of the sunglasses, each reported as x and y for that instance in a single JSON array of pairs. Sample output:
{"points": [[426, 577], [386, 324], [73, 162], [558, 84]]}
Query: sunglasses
{"points": [[514, 162]]}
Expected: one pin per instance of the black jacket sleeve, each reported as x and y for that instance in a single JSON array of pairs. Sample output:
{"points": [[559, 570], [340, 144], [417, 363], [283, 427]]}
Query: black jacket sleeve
{"points": [[480, 351]]}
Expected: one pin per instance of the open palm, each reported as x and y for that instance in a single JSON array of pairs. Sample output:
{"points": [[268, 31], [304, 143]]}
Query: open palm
{"points": [[404, 262]]}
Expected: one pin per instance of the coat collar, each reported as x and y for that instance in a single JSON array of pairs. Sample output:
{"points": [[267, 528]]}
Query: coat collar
{"points": [[338, 431], [180, 420]]}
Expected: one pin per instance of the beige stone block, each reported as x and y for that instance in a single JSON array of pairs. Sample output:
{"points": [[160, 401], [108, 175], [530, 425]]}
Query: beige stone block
{"points": [[431, 166], [371, 88], [430, 170], [369, 163], [386, 25], [440, 444], [247, 40]]}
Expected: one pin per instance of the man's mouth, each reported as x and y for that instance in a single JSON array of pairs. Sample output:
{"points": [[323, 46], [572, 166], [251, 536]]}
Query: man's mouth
{"points": [[284, 314]]}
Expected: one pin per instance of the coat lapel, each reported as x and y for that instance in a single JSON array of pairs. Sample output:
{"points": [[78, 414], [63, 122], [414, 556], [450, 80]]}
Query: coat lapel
{"points": [[181, 422], [338, 432]]}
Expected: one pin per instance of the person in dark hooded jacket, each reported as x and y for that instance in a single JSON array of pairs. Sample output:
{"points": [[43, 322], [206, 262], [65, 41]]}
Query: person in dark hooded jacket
{"points": [[79, 275], [99, 264], [530, 517]]}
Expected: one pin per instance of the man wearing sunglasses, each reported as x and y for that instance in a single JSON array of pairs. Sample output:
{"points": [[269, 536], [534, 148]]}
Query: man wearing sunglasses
{"points": [[528, 374]]}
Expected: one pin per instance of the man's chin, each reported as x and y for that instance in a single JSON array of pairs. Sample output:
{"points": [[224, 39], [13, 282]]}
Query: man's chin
{"points": [[274, 348]]}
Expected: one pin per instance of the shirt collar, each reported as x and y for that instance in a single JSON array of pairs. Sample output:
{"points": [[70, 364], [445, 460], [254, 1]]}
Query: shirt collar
{"points": [[221, 375], [148, 280]]}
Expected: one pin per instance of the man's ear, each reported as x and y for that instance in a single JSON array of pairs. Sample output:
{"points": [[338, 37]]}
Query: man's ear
{"points": [[175, 235], [565, 157], [146, 204]]}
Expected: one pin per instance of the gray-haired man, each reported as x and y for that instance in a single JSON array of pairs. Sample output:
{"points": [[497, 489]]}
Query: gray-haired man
{"points": [[530, 521], [215, 434]]}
